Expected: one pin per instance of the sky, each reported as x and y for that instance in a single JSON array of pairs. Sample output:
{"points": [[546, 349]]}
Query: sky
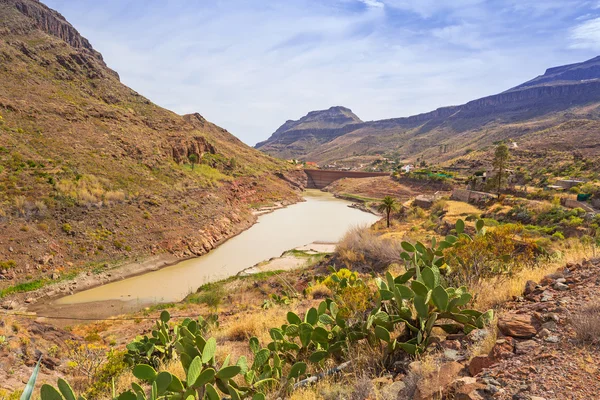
{"points": [[250, 65]]}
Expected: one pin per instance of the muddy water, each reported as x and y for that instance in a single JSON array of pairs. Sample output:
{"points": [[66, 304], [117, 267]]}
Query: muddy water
{"points": [[320, 218]]}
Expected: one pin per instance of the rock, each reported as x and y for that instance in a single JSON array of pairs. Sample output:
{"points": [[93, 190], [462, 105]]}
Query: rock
{"points": [[465, 389], [546, 296], [451, 344], [517, 325], [543, 333], [530, 287], [393, 391], [453, 355], [526, 347], [9, 305], [561, 286], [552, 339], [11, 249], [536, 398], [30, 300], [54, 276], [479, 363], [477, 335], [50, 362], [503, 348], [550, 325], [437, 381]]}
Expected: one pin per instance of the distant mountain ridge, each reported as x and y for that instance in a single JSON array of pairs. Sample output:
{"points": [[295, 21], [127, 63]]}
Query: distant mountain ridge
{"points": [[565, 89]]}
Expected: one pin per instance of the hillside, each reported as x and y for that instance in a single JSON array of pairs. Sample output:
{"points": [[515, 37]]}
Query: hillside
{"points": [[552, 114], [92, 173]]}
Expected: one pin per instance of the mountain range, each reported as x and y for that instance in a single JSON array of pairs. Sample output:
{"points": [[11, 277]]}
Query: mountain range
{"points": [[554, 112]]}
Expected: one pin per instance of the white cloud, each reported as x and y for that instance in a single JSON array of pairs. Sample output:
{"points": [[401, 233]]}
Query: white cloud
{"points": [[250, 66], [373, 3], [586, 35]]}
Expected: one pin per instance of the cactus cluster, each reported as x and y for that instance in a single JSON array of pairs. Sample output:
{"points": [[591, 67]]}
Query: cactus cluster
{"points": [[419, 299], [405, 311]]}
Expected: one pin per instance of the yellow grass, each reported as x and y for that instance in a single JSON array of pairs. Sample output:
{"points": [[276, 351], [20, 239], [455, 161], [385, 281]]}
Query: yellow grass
{"points": [[257, 323], [459, 210], [494, 292]]}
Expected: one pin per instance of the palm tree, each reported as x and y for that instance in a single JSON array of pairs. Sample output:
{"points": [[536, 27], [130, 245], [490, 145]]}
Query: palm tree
{"points": [[388, 204]]}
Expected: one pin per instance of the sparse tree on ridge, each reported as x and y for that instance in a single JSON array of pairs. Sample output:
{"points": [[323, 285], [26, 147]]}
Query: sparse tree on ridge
{"points": [[387, 206]]}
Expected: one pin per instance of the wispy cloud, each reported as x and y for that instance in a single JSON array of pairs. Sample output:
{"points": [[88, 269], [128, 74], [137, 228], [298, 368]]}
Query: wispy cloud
{"points": [[586, 35], [249, 66]]}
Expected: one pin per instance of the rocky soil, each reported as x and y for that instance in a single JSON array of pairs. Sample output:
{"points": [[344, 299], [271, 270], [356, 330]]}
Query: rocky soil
{"points": [[545, 348]]}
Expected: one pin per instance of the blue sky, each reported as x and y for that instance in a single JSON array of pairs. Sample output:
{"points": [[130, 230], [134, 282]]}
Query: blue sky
{"points": [[251, 65]]}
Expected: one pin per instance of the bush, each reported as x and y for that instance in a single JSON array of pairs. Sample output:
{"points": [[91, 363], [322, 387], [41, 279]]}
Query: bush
{"points": [[558, 235], [66, 228], [363, 248], [496, 253], [7, 264], [586, 324]]}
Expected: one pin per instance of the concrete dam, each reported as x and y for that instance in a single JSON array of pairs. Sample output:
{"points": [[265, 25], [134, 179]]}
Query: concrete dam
{"points": [[320, 178]]}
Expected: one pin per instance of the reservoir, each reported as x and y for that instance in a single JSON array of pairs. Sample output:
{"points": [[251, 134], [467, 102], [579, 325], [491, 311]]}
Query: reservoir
{"points": [[321, 217]]}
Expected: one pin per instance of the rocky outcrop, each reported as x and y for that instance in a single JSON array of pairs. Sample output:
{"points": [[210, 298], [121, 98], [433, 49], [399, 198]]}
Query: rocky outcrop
{"points": [[182, 148]]}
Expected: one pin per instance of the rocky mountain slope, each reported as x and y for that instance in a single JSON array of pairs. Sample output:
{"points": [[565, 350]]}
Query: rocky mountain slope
{"points": [[312, 130], [92, 172], [558, 111]]}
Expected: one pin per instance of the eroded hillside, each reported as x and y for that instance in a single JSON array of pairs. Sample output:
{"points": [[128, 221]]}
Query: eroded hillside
{"points": [[91, 172]]}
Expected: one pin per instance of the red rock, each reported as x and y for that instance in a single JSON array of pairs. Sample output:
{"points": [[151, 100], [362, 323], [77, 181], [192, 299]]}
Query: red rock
{"points": [[518, 326], [478, 363], [504, 348]]}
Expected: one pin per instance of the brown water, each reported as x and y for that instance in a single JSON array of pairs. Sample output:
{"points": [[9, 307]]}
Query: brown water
{"points": [[321, 217]]}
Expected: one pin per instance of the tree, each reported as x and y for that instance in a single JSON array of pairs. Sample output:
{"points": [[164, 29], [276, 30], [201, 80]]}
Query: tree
{"points": [[193, 159], [388, 205], [501, 157]]}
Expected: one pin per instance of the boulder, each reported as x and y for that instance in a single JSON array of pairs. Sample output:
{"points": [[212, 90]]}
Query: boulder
{"points": [[432, 384], [517, 325]]}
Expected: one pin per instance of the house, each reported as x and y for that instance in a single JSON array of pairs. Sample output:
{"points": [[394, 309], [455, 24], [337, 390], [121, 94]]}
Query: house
{"points": [[407, 168]]}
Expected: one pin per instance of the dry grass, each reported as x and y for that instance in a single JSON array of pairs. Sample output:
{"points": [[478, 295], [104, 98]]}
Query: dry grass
{"points": [[493, 292], [458, 209], [364, 248], [586, 323], [258, 323]]}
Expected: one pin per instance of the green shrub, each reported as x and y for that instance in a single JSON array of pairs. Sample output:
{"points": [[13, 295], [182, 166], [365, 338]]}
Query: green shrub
{"points": [[558, 235], [66, 227]]}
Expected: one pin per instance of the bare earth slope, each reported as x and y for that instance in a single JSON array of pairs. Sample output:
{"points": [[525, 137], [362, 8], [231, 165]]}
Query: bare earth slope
{"points": [[92, 172], [558, 111]]}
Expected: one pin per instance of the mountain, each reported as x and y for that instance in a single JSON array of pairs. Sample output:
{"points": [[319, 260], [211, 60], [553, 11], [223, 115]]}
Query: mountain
{"points": [[555, 112], [310, 131], [92, 172]]}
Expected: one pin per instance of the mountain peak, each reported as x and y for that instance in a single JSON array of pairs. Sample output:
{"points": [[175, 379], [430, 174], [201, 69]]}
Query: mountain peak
{"points": [[333, 117]]}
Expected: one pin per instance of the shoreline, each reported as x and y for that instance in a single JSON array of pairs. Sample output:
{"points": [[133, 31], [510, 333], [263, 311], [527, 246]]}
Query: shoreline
{"points": [[27, 301]]}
